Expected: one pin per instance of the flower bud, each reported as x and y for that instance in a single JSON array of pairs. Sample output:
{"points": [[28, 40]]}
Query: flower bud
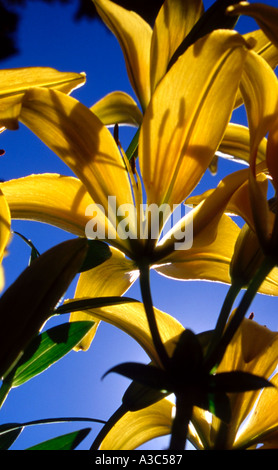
{"points": [[247, 257]]}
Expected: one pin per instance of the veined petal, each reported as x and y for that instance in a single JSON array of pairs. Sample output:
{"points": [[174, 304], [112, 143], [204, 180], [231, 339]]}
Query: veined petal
{"points": [[134, 36], [209, 261], [144, 425], [131, 318], [259, 89], [236, 144], [265, 15], [176, 147], [15, 82], [79, 138], [230, 196], [51, 198], [111, 278], [118, 108], [174, 21], [5, 232]]}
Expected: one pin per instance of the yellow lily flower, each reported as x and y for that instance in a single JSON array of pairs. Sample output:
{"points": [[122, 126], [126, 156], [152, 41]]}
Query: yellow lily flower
{"points": [[176, 145], [254, 420], [175, 149]]}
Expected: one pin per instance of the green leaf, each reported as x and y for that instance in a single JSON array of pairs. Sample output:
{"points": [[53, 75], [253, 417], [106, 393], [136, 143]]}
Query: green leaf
{"points": [[90, 303], [34, 252], [46, 349], [10, 431], [147, 375], [29, 301], [66, 442], [8, 435], [214, 18], [98, 252], [238, 381]]}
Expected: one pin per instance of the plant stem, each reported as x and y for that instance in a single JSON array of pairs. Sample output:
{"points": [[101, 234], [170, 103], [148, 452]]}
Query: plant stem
{"points": [[148, 304], [222, 320], [265, 268], [119, 413], [180, 423]]}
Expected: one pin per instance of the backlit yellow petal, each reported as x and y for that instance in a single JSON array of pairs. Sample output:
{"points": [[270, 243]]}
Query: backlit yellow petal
{"points": [[79, 138], [131, 318], [236, 144], [144, 425], [15, 82], [174, 21], [207, 261], [191, 115], [259, 89], [117, 108], [51, 198], [5, 225], [134, 36], [111, 278]]}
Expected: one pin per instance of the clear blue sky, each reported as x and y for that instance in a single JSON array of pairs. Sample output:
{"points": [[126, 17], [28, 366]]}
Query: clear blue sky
{"points": [[48, 36]]}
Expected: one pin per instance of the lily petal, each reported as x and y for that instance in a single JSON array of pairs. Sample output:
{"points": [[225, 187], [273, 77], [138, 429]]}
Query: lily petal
{"points": [[51, 198], [144, 425], [236, 144], [112, 278], [134, 36], [260, 94], [176, 148], [79, 138], [15, 82], [131, 318], [118, 108], [209, 261], [5, 232], [173, 23]]}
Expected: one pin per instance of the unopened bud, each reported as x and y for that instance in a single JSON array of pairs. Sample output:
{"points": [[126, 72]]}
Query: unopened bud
{"points": [[247, 257]]}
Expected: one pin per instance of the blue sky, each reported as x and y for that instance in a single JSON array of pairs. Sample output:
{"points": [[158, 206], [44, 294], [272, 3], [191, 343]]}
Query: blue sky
{"points": [[48, 36]]}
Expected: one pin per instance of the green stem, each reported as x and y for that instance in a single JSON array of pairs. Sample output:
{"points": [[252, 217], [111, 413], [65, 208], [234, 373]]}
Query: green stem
{"points": [[265, 268], [222, 320], [221, 437], [119, 413], [180, 423], [148, 304]]}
